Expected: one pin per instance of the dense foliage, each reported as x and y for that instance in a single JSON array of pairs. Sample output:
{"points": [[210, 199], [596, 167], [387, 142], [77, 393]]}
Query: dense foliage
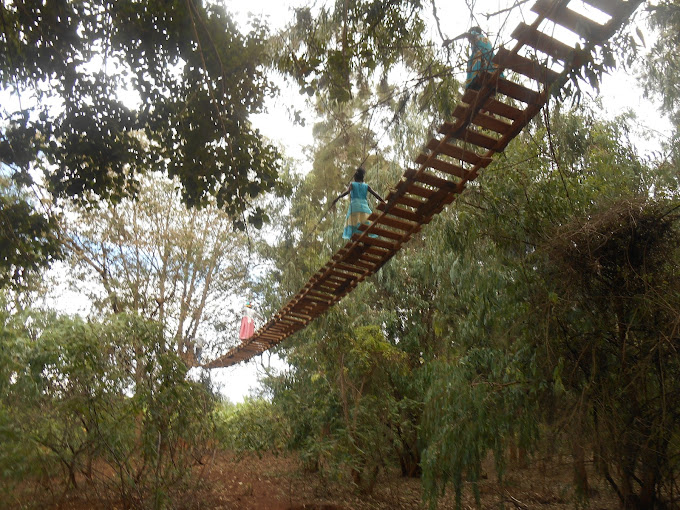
{"points": [[28, 239], [536, 316], [106, 404], [106, 91]]}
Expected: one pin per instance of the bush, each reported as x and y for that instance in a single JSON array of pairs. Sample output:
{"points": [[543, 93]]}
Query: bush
{"points": [[253, 426], [104, 403]]}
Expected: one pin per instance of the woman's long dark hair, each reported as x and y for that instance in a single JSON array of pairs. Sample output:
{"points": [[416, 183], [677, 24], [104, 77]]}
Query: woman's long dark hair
{"points": [[359, 175]]}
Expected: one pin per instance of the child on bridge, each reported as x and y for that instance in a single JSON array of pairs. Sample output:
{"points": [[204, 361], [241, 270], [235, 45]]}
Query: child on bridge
{"points": [[359, 210]]}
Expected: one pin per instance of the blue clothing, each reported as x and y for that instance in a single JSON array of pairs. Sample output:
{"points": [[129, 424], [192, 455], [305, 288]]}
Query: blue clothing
{"points": [[359, 211], [481, 54]]}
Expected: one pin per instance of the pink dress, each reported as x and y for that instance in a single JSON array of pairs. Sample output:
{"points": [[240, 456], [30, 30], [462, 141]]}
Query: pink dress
{"points": [[247, 324]]}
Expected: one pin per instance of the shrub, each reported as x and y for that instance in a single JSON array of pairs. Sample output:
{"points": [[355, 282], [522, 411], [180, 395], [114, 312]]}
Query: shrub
{"points": [[106, 403]]}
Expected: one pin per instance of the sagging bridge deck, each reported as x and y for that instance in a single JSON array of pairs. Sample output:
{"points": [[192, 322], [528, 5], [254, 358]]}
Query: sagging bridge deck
{"points": [[485, 122]]}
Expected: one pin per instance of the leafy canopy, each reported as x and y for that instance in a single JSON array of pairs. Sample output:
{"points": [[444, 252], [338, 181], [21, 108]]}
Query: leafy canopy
{"points": [[104, 91]]}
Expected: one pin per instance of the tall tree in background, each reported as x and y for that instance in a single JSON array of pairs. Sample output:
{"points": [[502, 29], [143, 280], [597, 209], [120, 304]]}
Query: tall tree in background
{"points": [[662, 66], [157, 258], [336, 51]]}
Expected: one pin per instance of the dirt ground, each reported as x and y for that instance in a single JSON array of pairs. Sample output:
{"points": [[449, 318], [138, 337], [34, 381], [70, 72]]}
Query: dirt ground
{"points": [[280, 483]]}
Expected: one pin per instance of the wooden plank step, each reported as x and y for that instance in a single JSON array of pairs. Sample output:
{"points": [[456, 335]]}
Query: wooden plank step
{"points": [[571, 20], [291, 320], [409, 202], [481, 119], [395, 223], [504, 110], [471, 97], [389, 234], [381, 232], [361, 263], [299, 315], [476, 138], [456, 152], [378, 242], [373, 261], [414, 189], [542, 42], [329, 271], [328, 286], [337, 282], [266, 336], [274, 328], [318, 294], [438, 182], [492, 105], [442, 166], [318, 288], [315, 299], [334, 273], [524, 66], [349, 268], [518, 92], [376, 253], [337, 278], [400, 213], [611, 7], [446, 167]]}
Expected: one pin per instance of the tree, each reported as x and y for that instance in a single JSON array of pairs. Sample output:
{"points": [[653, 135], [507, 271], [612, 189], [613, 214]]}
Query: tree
{"points": [[525, 347], [614, 322], [28, 239], [107, 397], [336, 51], [108, 90], [663, 61], [155, 257]]}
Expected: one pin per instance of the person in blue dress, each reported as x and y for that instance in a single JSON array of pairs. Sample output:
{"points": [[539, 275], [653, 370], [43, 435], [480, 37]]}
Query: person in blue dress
{"points": [[359, 210], [481, 54]]}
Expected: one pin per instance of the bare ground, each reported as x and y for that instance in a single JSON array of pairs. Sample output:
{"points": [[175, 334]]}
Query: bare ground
{"points": [[280, 483]]}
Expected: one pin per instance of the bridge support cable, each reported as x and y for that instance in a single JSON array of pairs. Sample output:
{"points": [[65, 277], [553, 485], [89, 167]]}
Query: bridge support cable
{"points": [[484, 124]]}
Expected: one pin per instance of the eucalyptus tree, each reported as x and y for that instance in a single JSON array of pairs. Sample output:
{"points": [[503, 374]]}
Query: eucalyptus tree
{"points": [[663, 60], [536, 337], [333, 51]]}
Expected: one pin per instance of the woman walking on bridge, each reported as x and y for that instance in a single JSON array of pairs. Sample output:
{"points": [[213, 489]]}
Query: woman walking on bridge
{"points": [[480, 59], [359, 210], [247, 322]]}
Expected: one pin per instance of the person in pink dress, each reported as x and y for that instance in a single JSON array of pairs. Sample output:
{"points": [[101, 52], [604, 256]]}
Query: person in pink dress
{"points": [[247, 322]]}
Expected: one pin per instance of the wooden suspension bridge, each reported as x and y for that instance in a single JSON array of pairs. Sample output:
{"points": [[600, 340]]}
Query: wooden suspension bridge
{"points": [[485, 122]]}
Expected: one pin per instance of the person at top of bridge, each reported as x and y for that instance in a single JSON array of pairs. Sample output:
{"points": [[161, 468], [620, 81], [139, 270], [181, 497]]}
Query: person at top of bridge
{"points": [[479, 59], [359, 210]]}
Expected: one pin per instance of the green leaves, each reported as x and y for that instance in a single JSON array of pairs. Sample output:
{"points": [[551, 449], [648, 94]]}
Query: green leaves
{"points": [[553, 264], [28, 240], [118, 89], [475, 404], [256, 426], [663, 60], [112, 395], [335, 52]]}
